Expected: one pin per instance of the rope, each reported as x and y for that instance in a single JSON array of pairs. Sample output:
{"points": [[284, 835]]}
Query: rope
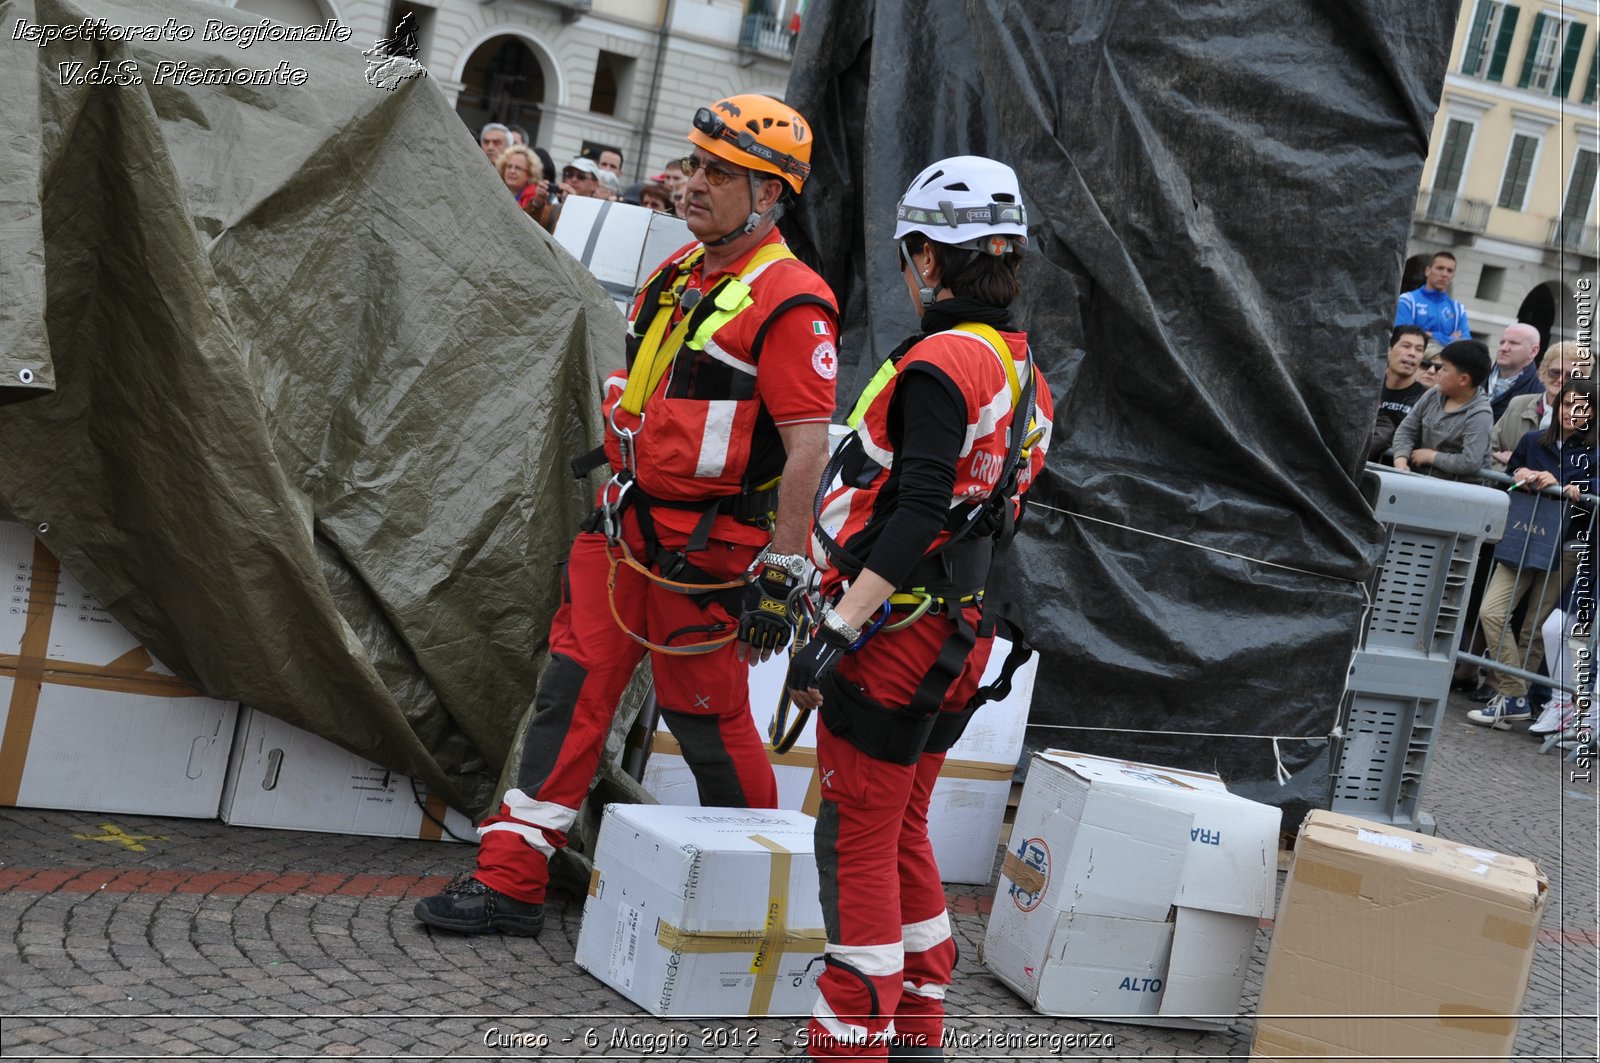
{"points": [[1198, 546]]}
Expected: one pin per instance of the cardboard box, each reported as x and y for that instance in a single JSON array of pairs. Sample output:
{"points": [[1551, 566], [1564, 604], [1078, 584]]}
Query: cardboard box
{"points": [[1131, 891], [90, 720], [285, 777], [1412, 946], [968, 804], [705, 911], [620, 243]]}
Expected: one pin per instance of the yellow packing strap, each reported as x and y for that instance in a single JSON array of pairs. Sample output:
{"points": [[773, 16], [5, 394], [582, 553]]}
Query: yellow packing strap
{"points": [[730, 297]]}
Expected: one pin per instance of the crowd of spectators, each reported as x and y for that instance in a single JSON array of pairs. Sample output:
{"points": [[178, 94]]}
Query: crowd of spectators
{"points": [[1448, 408], [531, 176]]}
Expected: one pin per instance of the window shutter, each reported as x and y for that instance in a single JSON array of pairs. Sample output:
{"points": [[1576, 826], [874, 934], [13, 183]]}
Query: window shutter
{"points": [[1477, 39], [1502, 43], [1533, 51], [1519, 167], [1452, 157], [1594, 66], [1569, 59], [1580, 193]]}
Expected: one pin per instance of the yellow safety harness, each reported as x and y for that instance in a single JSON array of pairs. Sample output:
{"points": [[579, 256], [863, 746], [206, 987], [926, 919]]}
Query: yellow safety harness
{"points": [[657, 350]]}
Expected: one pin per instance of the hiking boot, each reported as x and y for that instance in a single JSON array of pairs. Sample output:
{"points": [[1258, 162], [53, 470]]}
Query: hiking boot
{"points": [[1501, 711], [467, 906]]}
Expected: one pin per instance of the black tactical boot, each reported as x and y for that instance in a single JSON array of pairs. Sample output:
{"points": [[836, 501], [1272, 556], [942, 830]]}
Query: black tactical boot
{"points": [[467, 906]]}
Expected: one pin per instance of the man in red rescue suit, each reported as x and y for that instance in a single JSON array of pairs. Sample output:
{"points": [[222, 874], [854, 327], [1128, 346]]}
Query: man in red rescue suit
{"points": [[729, 387], [921, 501]]}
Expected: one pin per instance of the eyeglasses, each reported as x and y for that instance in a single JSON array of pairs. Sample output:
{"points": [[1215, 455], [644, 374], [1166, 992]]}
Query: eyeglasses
{"points": [[1554, 373], [1429, 366], [716, 176], [577, 175]]}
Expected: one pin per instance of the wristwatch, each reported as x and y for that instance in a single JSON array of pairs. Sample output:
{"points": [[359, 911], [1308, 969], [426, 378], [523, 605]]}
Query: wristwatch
{"points": [[793, 564], [839, 626]]}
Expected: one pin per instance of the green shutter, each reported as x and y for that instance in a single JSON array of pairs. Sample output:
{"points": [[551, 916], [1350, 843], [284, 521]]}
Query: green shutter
{"points": [[1532, 52], [1594, 65], [1502, 43], [1580, 193], [1477, 38], [1519, 168], [1569, 59], [1452, 159]]}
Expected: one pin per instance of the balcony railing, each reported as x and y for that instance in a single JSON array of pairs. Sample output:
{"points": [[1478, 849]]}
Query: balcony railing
{"points": [[1449, 209], [1574, 236], [763, 34]]}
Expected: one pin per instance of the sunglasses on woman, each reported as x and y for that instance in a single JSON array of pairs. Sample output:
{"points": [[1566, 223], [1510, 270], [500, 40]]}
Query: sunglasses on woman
{"points": [[1429, 366]]}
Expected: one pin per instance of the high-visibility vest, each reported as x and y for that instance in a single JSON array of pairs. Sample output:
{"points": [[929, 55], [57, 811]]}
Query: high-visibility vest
{"points": [[986, 366], [690, 388]]}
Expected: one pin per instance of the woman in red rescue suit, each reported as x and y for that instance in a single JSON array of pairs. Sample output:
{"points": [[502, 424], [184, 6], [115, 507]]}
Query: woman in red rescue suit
{"points": [[914, 509]]}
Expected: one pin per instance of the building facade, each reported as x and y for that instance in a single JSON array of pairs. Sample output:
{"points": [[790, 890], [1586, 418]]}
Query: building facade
{"points": [[622, 73], [1509, 184]]}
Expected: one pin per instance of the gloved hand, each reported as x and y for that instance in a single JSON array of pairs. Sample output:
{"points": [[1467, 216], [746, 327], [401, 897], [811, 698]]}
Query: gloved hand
{"points": [[811, 662], [766, 622]]}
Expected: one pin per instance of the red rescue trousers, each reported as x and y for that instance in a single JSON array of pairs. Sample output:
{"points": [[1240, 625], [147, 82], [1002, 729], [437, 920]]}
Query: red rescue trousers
{"points": [[889, 955], [705, 697]]}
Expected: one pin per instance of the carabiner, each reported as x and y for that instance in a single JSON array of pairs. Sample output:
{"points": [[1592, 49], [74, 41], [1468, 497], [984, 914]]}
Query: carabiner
{"points": [[911, 617], [611, 506], [625, 440]]}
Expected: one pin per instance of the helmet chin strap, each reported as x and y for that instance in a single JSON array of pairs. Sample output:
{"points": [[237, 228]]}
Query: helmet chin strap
{"points": [[925, 293], [753, 222]]}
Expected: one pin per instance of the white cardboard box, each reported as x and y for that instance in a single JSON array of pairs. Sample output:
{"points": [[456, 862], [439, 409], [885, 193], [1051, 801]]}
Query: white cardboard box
{"points": [[1131, 891], [620, 243], [88, 719], [968, 804], [285, 777], [705, 911]]}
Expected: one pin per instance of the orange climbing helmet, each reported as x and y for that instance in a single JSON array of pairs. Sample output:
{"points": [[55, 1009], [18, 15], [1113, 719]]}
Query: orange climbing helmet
{"points": [[757, 132]]}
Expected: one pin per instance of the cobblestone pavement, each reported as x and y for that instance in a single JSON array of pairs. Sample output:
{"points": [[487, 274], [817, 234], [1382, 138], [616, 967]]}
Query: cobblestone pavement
{"points": [[215, 942]]}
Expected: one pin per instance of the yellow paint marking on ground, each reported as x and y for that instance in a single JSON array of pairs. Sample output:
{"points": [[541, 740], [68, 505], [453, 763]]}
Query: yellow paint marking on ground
{"points": [[114, 833]]}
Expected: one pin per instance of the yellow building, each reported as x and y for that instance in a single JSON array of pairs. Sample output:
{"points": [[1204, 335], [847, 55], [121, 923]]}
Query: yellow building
{"points": [[1509, 184]]}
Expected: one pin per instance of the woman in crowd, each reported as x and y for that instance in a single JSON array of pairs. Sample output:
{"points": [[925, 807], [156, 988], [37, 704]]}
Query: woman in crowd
{"points": [[1528, 412], [523, 174], [1561, 456]]}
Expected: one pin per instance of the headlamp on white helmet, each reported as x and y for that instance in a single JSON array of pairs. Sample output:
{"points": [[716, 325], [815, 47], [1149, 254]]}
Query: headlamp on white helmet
{"points": [[968, 202]]}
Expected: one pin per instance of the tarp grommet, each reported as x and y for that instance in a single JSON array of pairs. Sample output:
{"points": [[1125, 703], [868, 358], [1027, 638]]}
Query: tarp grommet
{"points": [[25, 375], [44, 527]]}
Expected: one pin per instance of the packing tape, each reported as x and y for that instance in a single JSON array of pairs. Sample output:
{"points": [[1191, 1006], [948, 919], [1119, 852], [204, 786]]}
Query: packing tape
{"points": [[594, 882], [1503, 931], [433, 823], [1320, 876], [769, 943], [30, 668], [1472, 1018], [806, 757], [1028, 879]]}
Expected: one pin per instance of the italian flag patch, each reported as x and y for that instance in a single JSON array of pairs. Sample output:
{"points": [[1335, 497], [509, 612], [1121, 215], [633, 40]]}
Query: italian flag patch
{"points": [[819, 328]]}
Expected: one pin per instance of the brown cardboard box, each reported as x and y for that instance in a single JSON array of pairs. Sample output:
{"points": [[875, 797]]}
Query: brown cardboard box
{"points": [[1395, 945]]}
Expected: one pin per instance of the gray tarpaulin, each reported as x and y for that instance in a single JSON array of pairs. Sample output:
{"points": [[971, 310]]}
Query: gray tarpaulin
{"points": [[1219, 197], [291, 384]]}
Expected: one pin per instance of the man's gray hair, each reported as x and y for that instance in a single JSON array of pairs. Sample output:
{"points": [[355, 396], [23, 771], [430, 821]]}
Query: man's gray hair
{"points": [[494, 127]]}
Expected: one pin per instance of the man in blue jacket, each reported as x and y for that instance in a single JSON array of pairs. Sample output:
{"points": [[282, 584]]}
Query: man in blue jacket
{"points": [[1431, 306]]}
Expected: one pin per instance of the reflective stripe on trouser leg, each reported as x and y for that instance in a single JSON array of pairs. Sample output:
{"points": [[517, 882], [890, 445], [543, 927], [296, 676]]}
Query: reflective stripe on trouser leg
{"points": [[863, 801], [930, 951], [591, 661]]}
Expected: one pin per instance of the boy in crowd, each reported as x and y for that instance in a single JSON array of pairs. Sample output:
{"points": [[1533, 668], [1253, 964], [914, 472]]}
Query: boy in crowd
{"points": [[1447, 432], [1401, 385]]}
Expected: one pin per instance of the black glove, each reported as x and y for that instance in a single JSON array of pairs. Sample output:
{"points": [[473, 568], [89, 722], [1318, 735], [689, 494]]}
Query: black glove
{"points": [[816, 659], [766, 623]]}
